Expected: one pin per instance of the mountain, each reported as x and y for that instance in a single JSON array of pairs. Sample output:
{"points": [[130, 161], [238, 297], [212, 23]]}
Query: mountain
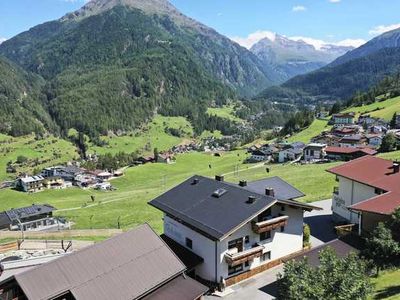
{"points": [[290, 58], [21, 111], [356, 71], [114, 63]]}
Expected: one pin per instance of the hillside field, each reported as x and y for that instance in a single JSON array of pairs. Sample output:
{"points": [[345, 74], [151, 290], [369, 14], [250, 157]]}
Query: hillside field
{"points": [[226, 112], [312, 131], [384, 109], [143, 183], [387, 286]]}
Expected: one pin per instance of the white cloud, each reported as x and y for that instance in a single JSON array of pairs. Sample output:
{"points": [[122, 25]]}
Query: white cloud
{"points": [[351, 42], [253, 38], [2, 40], [335, 1], [318, 44], [383, 28], [299, 8]]}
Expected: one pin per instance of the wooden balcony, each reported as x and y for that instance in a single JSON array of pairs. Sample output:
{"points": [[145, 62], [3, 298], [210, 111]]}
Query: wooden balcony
{"points": [[264, 226], [234, 259]]}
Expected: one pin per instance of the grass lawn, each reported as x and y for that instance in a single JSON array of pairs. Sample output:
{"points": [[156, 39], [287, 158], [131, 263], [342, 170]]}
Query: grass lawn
{"points": [[49, 151], [387, 286], [150, 137], [227, 112], [384, 109], [395, 155], [307, 134], [143, 183]]}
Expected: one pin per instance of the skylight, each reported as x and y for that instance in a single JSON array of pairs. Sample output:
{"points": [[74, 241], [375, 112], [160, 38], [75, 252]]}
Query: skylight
{"points": [[219, 193]]}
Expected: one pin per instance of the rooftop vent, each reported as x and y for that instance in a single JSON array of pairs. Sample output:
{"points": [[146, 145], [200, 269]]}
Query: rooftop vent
{"points": [[219, 178], [270, 192], [242, 183], [251, 200], [219, 193], [195, 181]]}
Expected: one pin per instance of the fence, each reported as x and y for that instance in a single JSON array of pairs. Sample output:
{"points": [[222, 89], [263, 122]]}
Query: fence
{"points": [[63, 234]]}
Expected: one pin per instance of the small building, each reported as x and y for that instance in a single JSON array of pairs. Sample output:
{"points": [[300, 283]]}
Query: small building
{"points": [[103, 186], [34, 217], [352, 141], [54, 183], [377, 129], [314, 151], [30, 184], [368, 192], [236, 230], [343, 119], [347, 153], [67, 173], [167, 158], [104, 175], [259, 155], [374, 140], [291, 152], [134, 265]]}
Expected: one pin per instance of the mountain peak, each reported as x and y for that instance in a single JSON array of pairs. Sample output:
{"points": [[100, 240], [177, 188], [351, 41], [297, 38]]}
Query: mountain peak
{"points": [[95, 7]]}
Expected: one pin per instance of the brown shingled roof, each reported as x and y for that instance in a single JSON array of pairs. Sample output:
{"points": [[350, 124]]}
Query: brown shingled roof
{"points": [[127, 266]]}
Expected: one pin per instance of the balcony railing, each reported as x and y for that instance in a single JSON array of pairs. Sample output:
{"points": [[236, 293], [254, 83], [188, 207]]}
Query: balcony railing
{"points": [[234, 259], [264, 226]]}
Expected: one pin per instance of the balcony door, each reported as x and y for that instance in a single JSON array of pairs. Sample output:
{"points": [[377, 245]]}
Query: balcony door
{"points": [[238, 243]]}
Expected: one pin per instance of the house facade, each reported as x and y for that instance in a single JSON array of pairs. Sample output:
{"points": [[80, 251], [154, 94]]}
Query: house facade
{"points": [[368, 191], [30, 184], [343, 119], [236, 230], [314, 151]]}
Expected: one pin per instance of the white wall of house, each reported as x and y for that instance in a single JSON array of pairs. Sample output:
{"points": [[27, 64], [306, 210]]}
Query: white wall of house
{"points": [[350, 193], [279, 245], [311, 154]]}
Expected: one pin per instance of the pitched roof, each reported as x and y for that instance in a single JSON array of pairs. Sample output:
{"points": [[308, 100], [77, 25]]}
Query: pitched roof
{"points": [[127, 266], [31, 179], [350, 150], [7, 217], [378, 173], [196, 202], [283, 190]]}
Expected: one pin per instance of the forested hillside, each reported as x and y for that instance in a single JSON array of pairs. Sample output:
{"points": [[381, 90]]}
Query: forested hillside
{"points": [[21, 111], [112, 69]]}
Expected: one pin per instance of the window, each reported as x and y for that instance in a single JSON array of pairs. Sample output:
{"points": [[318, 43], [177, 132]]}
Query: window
{"points": [[189, 243], [265, 235], [238, 243], [246, 239], [246, 264], [283, 208], [235, 269], [264, 215], [266, 256], [378, 191], [282, 228]]}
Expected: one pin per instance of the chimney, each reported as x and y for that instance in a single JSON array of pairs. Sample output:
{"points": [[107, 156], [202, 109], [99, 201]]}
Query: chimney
{"points": [[242, 183], [195, 181], [251, 199], [270, 192], [396, 167], [219, 178]]}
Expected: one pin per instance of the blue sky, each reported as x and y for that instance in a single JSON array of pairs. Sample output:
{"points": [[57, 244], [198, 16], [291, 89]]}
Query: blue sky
{"points": [[246, 21]]}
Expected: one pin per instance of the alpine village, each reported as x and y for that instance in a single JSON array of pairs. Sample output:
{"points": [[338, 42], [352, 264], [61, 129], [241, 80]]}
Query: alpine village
{"points": [[144, 155]]}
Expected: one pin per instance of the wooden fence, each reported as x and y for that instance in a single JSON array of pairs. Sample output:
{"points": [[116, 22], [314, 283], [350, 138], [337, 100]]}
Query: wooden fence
{"points": [[9, 247]]}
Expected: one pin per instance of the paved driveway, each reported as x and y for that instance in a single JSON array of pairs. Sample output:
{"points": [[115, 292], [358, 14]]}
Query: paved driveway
{"points": [[322, 228]]}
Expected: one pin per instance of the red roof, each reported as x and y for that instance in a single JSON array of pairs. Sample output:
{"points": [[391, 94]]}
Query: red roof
{"points": [[350, 150], [375, 172]]}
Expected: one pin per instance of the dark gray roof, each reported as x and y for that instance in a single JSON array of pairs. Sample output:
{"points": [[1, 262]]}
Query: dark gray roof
{"points": [[283, 190], [9, 216], [194, 204], [127, 266]]}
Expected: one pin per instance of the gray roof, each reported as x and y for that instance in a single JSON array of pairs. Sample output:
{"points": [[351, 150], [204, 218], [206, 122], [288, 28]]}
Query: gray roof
{"points": [[216, 217], [127, 266], [9, 216], [283, 190]]}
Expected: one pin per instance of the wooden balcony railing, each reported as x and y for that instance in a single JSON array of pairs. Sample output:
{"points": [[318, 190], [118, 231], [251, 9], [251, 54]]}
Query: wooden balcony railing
{"points": [[264, 226], [234, 259]]}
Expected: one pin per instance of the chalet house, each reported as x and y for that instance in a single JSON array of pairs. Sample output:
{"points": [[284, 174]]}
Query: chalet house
{"points": [[314, 151], [237, 230], [34, 217], [377, 129], [291, 152], [134, 265], [368, 191], [167, 158], [374, 140], [343, 119], [347, 153], [54, 183], [30, 184], [67, 173], [259, 155], [352, 141]]}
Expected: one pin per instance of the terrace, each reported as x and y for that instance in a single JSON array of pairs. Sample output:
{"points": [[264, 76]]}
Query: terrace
{"points": [[271, 224]]}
